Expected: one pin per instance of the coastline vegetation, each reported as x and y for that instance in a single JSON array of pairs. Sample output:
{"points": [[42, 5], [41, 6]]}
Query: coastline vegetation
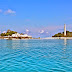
{"points": [[8, 33], [68, 34]]}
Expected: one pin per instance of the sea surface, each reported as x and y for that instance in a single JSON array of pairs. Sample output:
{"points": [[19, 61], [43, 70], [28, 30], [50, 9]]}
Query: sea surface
{"points": [[36, 55]]}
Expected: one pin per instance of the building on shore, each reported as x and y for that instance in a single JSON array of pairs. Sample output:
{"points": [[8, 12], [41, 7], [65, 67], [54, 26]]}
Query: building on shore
{"points": [[13, 34], [64, 29], [16, 35], [65, 33], [20, 35]]}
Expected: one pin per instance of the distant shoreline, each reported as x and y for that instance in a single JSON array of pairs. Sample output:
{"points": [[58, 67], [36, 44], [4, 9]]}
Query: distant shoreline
{"points": [[15, 38], [36, 38], [58, 38]]}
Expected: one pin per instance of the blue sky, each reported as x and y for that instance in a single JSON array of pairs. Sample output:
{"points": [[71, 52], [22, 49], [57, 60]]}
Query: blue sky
{"points": [[36, 17]]}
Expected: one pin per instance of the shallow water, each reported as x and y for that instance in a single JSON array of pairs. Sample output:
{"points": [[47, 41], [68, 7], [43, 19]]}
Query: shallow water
{"points": [[36, 55]]}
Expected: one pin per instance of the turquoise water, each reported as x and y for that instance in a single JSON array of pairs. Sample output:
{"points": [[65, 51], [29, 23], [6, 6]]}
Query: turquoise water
{"points": [[35, 55]]}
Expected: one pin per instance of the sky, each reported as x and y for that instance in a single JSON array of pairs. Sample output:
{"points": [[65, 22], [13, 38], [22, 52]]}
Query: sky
{"points": [[38, 18]]}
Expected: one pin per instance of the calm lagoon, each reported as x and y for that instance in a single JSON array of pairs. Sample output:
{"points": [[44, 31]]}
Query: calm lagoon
{"points": [[52, 55]]}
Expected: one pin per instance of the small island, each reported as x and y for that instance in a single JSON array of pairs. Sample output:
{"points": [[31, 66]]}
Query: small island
{"points": [[12, 35], [64, 34], [68, 34]]}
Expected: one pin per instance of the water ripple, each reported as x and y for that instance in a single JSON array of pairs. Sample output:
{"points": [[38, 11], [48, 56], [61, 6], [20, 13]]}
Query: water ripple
{"points": [[35, 56]]}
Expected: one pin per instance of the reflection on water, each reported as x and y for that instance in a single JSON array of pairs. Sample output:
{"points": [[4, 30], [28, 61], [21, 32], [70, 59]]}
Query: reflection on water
{"points": [[14, 44], [36, 55], [17, 44], [66, 51], [64, 56], [65, 42]]}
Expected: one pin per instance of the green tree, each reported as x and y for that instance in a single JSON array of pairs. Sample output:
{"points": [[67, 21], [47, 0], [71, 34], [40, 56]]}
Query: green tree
{"points": [[9, 33]]}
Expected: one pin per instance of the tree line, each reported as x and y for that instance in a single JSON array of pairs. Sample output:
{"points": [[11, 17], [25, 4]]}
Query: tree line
{"points": [[68, 34]]}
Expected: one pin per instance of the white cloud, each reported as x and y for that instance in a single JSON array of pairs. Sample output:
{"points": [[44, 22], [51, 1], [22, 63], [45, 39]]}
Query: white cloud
{"points": [[47, 32], [4, 32], [27, 30], [9, 11], [42, 31], [0, 10]]}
